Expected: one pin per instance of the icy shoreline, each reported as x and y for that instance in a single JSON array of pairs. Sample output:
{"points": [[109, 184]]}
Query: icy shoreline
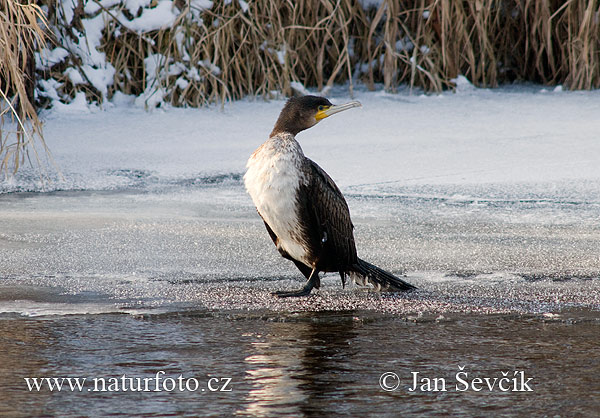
{"points": [[497, 188]]}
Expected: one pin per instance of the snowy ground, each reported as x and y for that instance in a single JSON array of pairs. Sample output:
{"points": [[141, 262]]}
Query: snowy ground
{"points": [[515, 136]]}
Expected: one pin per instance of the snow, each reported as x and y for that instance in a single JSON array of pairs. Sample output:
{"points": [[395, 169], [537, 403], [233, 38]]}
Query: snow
{"points": [[462, 84], [78, 105], [366, 4], [47, 58], [299, 87], [47, 88], [91, 7], [281, 55], [100, 78], [210, 66], [404, 44], [73, 75], [98, 71], [153, 96], [87, 44], [134, 5], [84, 47], [513, 135], [201, 4], [163, 15]]}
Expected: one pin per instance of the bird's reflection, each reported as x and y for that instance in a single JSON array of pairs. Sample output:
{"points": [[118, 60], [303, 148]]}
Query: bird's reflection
{"points": [[297, 365]]}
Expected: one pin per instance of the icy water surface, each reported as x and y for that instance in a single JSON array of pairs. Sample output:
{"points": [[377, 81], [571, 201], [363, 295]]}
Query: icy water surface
{"points": [[177, 278]]}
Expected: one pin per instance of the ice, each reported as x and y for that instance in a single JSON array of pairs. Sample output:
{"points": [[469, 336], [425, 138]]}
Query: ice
{"points": [[488, 201], [510, 136]]}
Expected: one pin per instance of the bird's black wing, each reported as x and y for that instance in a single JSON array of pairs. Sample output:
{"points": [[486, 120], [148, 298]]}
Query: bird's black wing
{"points": [[326, 220]]}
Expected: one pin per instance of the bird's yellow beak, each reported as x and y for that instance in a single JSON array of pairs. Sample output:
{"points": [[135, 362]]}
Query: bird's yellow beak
{"points": [[332, 110]]}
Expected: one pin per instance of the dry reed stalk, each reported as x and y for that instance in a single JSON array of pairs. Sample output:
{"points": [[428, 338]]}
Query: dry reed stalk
{"points": [[20, 35], [227, 52], [258, 51], [489, 41], [584, 45]]}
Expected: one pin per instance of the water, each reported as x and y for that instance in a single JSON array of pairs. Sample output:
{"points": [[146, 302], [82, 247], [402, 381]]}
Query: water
{"points": [[176, 278], [308, 364]]}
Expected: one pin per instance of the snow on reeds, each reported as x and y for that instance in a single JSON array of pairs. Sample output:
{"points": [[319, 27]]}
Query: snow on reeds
{"points": [[194, 52]]}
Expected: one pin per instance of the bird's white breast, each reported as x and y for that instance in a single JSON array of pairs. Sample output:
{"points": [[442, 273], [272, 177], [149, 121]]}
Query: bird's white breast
{"points": [[272, 179]]}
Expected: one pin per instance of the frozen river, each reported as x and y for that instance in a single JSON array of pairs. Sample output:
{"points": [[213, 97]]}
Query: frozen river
{"points": [[149, 257]]}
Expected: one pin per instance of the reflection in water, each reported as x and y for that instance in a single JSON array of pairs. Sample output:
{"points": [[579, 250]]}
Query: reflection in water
{"points": [[296, 364], [314, 364]]}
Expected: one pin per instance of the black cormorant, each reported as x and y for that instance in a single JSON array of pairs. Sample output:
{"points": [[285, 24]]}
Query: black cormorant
{"points": [[304, 211]]}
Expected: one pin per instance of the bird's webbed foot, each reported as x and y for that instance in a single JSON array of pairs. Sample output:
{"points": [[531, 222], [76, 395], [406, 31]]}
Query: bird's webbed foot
{"points": [[313, 282]]}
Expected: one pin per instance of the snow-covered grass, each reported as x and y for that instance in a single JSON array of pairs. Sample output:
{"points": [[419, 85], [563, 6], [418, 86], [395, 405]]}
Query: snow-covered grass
{"points": [[512, 135]]}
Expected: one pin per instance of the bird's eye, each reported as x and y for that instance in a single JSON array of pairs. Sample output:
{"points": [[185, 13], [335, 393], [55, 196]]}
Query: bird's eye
{"points": [[321, 107]]}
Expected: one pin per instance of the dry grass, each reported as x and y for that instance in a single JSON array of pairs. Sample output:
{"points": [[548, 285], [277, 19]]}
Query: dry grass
{"points": [[230, 52], [20, 36], [488, 41], [258, 51]]}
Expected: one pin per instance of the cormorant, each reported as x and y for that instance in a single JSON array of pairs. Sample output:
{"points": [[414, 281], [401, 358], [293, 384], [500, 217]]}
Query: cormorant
{"points": [[304, 211]]}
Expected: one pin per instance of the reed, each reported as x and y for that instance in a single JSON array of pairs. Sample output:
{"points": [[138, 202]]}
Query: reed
{"points": [[228, 51], [258, 51], [488, 41], [21, 33]]}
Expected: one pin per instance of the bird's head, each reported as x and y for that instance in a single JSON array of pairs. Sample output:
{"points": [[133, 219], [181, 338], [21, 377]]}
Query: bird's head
{"points": [[300, 113]]}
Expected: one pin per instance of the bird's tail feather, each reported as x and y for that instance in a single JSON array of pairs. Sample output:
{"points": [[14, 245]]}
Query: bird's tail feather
{"points": [[365, 273]]}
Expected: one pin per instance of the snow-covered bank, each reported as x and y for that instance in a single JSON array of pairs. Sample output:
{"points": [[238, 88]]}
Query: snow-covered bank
{"points": [[512, 135]]}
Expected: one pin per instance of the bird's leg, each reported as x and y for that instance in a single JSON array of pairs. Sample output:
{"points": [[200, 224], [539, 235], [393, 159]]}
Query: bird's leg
{"points": [[313, 281]]}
